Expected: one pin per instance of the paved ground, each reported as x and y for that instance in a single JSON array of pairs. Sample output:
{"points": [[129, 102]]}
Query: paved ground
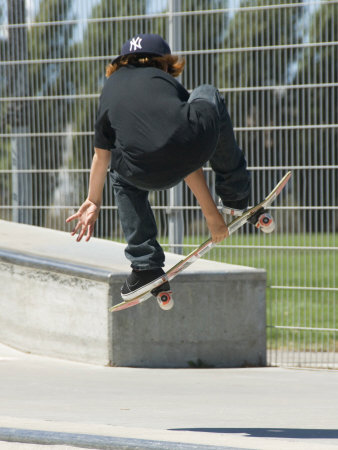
{"points": [[44, 401]]}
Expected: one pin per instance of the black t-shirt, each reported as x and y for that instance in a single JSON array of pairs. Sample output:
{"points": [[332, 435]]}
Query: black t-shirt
{"points": [[155, 136]]}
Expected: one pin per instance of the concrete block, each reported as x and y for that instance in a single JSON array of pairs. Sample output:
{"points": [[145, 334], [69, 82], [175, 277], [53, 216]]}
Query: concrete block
{"points": [[56, 294], [217, 321], [54, 314]]}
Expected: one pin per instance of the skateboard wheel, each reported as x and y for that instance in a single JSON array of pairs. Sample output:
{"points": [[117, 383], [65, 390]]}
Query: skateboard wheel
{"points": [[266, 223], [165, 300]]}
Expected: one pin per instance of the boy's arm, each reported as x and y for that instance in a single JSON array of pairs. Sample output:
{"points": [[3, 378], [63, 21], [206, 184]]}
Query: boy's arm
{"points": [[217, 227], [90, 208], [98, 174]]}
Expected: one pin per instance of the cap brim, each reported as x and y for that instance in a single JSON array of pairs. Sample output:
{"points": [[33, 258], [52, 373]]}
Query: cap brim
{"points": [[136, 53]]}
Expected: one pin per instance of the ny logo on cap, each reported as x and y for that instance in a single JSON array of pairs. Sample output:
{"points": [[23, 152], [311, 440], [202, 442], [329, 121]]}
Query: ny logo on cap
{"points": [[135, 43]]}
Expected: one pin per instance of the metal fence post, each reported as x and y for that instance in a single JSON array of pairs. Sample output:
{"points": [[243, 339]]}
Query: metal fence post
{"points": [[175, 216]]}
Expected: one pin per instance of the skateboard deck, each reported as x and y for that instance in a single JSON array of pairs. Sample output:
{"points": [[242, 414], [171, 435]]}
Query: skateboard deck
{"points": [[203, 248]]}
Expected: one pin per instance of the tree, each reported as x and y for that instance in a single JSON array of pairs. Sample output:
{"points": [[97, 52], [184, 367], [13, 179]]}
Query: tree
{"points": [[49, 78], [203, 32], [24, 118], [319, 106], [5, 185], [242, 68], [17, 113]]}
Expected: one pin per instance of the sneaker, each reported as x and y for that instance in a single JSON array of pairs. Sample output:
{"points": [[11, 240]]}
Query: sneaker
{"points": [[229, 212], [232, 209], [139, 282]]}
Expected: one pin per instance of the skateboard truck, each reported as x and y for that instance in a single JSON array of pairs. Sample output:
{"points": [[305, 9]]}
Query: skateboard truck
{"points": [[263, 221]]}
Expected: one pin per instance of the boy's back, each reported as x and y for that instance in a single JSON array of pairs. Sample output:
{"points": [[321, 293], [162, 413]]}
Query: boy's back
{"points": [[156, 136]]}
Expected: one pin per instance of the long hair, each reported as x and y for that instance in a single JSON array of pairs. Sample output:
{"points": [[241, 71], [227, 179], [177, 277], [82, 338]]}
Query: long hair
{"points": [[172, 64]]}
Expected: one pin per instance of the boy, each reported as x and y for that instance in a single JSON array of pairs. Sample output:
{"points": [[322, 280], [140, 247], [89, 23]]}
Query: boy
{"points": [[153, 135]]}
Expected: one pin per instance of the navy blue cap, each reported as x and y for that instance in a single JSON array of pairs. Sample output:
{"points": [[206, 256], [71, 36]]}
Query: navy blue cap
{"points": [[149, 44]]}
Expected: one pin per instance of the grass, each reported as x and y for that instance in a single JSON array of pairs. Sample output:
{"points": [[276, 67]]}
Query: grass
{"points": [[292, 268]]}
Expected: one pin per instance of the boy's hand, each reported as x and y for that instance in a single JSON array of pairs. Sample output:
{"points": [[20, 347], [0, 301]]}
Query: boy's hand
{"points": [[217, 227], [87, 216]]}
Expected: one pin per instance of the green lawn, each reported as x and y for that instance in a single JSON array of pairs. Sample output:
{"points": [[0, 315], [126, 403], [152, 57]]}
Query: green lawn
{"points": [[290, 263]]}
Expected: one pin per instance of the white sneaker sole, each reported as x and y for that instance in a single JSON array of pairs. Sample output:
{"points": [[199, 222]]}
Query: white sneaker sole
{"points": [[144, 289], [232, 212]]}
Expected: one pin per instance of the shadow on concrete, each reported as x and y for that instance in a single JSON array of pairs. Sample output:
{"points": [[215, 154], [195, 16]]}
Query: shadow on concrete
{"points": [[283, 433], [94, 441]]}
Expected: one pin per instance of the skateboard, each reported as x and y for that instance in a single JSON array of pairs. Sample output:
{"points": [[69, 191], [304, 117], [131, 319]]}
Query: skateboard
{"points": [[256, 215]]}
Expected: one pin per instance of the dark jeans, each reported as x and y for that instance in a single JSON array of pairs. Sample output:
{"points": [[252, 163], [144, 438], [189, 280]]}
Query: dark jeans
{"points": [[138, 225], [232, 186], [233, 182]]}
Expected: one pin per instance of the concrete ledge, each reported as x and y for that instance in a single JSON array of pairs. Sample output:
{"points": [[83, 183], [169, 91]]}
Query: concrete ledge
{"points": [[53, 265], [56, 294]]}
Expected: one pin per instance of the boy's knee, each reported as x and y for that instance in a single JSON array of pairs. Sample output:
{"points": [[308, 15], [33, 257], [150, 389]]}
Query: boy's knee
{"points": [[205, 92], [211, 94]]}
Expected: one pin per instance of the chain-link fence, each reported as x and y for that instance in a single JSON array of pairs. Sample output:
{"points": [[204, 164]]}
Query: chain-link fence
{"points": [[276, 64]]}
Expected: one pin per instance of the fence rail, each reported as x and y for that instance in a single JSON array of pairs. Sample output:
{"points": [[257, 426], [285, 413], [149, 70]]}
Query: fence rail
{"points": [[166, 15]]}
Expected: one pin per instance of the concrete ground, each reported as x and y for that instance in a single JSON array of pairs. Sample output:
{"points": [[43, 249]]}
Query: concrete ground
{"points": [[65, 405]]}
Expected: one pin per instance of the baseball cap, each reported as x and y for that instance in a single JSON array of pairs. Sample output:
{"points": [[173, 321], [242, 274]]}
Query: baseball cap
{"points": [[150, 44]]}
